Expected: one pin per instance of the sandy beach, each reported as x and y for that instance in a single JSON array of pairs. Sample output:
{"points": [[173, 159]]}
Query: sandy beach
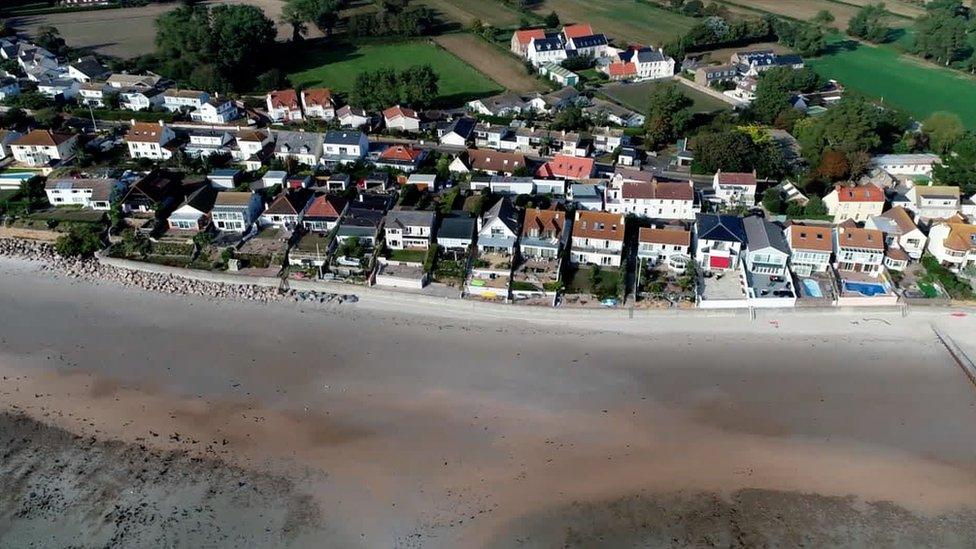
{"points": [[143, 419]]}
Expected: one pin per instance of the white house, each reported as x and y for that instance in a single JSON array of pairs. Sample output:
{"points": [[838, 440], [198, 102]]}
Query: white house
{"points": [[136, 99], [251, 147], [341, 146], [194, 213], [215, 111], [54, 88], [456, 232], [858, 250], [499, 184], [43, 148], [318, 103], [304, 147], [9, 87], [720, 240], [94, 94], [542, 233], [409, 229], [594, 45], [522, 38], [669, 245], [175, 99], [87, 69], [402, 119], [498, 228], [811, 247], [900, 231], [855, 203], [735, 189], [934, 201], [906, 164], [284, 106], [352, 117], [767, 252], [148, 140], [286, 210], [654, 199], [546, 50], [953, 244], [598, 239], [235, 211], [133, 81], [89, 193], [203, 143]]}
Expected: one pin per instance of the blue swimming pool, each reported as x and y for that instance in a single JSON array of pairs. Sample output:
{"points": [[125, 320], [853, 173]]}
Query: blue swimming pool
{"points": [[812, 288], [865, 288]]}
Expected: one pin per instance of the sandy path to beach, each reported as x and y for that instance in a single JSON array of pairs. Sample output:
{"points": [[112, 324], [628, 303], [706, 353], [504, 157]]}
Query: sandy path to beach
{"points": [[424, 431]]}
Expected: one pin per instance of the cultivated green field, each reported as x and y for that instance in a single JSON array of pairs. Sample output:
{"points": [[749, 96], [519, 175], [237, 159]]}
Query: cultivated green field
{"points": [[635, 96], [903, 82], [336, 67], [623, 20]]}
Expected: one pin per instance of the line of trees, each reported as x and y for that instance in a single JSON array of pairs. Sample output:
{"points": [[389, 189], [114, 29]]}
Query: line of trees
{"points": [[808, 39], [393, 18], [946, 34], [416, 86], [870, 23]]}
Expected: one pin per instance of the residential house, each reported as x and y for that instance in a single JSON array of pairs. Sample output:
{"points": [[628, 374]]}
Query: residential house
{"points": [[224, 178], [138, 99], [456, 232], [567, 167], [337, 182], [401, 157], [235, 211], [318, 103], [906, 164], [360, 223], [505, 104], [559, 74], [712, 74], [194, 213], [378, 181], [270, 179], [767, 252], [253, 147], [215, 111], [858, 250], [668, 245], [457, 132], [606, 112], [577, 30], [323, 213], [286, 210], [586, 196], [43, 148], [342, 146], [94, 94], [629, 157], [542, 232], [498, 228], [720, 240], [953, 244], [96, 194], [148, 140], [490, 162], [598, 239], [900, 232], [423, 181], [304, 147], [176, 100], [153, 192], [593, 45], [402, 119], [640, 63], [855, 203], [934, 201], [546, 50], [123, 81], [609, 139], [753, 62], [522, 38], [735, 189], [203, 143], [7, 137], [87, 69], [58, 88], [673, 200], [557, 100], [409, 229], [9, 87], [811, 247], [284, 106], [352, 117]]}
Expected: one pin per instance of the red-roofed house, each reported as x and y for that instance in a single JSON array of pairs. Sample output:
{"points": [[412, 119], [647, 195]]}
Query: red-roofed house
{"points": [[323, 213], [618, 70], [855, 203], [401, 157], [521, 39], [283, 106], [567, 167], [401, 118], [735, 188], [317, 103], [577, 30]]}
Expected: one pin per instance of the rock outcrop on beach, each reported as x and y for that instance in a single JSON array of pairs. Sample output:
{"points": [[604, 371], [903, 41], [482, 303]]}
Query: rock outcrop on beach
{"points": [[92, 269]]}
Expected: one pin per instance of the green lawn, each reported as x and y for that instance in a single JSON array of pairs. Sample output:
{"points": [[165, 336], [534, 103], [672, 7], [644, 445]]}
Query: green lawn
{"points": [[621, 20], [337, 65], [635, 96], [409, 256], [901, 81]]}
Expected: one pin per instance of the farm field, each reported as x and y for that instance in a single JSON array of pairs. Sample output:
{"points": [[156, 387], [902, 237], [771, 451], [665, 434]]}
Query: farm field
{"points": [[125, 32], [337, 65], [799, 9], [635, 96], [462, 12], [490, 61], [898, 7], [625, 21], [899, 80]]}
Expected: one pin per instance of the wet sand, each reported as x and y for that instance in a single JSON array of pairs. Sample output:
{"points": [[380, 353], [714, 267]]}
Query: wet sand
{"points": [[459, 428]]}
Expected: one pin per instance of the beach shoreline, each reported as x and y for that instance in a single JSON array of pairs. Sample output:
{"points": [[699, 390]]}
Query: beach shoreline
{"points": [[454, 429]]}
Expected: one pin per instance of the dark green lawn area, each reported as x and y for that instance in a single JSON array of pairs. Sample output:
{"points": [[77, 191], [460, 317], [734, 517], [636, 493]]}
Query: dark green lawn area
{"points": [[410, 256], [899, 80], [337, 65], [608, 281], [635, 96], [77, 215]]}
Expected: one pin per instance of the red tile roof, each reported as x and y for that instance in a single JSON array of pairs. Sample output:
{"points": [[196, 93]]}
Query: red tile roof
{"points": [[673, 236], [853, 237], [543, 220], [398, 111], [565, 166], [811, 237], [658, 190], [864, 193], [144, 132], [605, 225], [619, 68], [736, 178], [45, 138], [526, 35], [577, 30], [401, 153], [326, 206], [318, 97], [284, 99]]}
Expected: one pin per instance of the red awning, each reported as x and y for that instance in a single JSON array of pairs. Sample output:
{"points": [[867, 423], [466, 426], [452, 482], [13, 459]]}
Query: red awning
{"points": [[719, 262]]}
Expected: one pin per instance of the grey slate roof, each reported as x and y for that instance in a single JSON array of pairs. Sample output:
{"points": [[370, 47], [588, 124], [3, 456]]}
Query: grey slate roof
{"points": [[504, 211], [726, 228], [337, 137], [764, 234], [457, 228], [293, 142], [409, 218]]}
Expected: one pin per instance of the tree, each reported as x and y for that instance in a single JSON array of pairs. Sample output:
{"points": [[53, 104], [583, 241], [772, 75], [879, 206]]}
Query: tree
{"points": [[944, 129], [869, 23], [958, 167], [854, 124], [49, 38], [81, 240], [738, 150], [552, 20], [292, 14], [834, 166], [823, 18], [943, 34], [570, 119], [772, 201], [668, 114], [415, 86], [815, 207]]}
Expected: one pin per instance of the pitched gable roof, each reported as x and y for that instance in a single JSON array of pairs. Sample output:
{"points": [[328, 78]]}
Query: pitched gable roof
{"points": [[577, 30], [671, 236], [544, 220], [736, 178], [144, 132], [43, 138], [725, 228], [569, 167], [326, 207], [620, 68], [601, 225], [810, 237], [901, 218], [289, 202], [495, 161], [658, 190], [525, 36], [401, 153], [284, 99], [854, 237], [763, 234], [863, 193], [318, 97], [399, 112], [961, 237], [503, 211]]}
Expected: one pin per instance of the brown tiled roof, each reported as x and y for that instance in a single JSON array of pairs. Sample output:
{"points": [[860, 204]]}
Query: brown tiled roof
{"points": [[543, 220], [863, 193], [45, 138], [144, 132], [526, 35], [672, 236], [897, 254], [252, 135], [327, 206], [289, 202], [853, 237], [176, 92], [401, 153], [736, 178], [961, 238], [658, 190], [577, 30], [937, 190], [605, 225], [318, 97], [287, 99], [397, 110], [497, 161], [232, 198], [810, 237], [901, 218]]}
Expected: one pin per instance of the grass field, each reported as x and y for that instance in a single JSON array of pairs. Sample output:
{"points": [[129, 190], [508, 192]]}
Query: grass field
{"points": [[462, 12], [337, 65], [902, 81], [799, 9], [635, 96], [623, 20], [490, 61]]}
